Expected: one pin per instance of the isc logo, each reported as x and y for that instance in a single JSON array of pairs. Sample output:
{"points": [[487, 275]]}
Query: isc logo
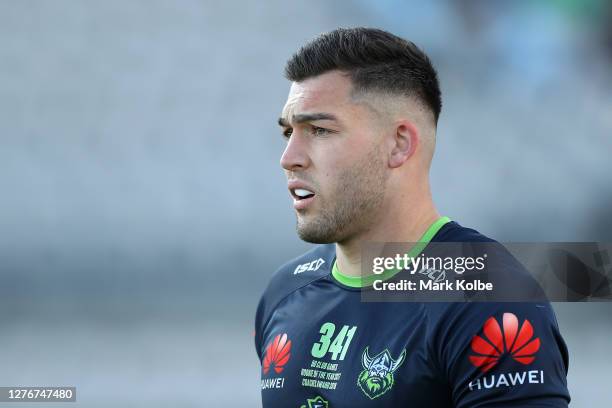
{"points": [[310, 266]]}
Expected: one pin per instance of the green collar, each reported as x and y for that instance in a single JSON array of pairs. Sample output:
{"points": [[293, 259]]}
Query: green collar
{"points": [[363, 281]]}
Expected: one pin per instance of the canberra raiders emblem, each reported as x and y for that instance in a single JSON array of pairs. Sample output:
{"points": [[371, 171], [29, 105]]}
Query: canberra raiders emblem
{"points": [[377, 375]]}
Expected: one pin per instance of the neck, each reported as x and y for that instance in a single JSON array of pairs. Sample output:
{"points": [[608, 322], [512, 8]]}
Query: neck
{"points": [[414, 220]]}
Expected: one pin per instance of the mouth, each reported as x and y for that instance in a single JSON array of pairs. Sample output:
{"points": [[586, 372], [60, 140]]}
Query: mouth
{"points": [[302, 196]]}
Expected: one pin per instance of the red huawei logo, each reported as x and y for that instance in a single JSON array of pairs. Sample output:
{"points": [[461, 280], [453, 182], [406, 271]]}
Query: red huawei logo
{"points": [[522, 346], [277, 354]]}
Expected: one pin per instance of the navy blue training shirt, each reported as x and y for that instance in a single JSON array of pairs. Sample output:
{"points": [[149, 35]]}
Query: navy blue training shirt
{"points": [[321, 346]]}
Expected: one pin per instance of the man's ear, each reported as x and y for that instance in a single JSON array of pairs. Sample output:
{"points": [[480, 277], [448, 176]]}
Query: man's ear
{"points": [[405, 139]]}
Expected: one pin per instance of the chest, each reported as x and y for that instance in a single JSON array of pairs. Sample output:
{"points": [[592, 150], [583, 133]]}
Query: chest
{"points": [[341, 352]]}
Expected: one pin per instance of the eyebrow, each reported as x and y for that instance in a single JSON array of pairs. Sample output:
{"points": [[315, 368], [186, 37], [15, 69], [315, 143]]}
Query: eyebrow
{"points": [[307, 117]]}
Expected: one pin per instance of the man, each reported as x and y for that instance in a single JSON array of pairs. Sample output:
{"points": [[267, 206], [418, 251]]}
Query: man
{"points": [[360, 123]]}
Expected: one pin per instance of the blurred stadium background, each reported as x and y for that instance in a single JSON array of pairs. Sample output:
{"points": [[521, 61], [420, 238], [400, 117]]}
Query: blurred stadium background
{"points": [[143, 208]]}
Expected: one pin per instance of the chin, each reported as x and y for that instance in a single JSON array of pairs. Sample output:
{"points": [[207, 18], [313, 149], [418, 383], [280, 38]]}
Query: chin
{"points": [[316, 235]]}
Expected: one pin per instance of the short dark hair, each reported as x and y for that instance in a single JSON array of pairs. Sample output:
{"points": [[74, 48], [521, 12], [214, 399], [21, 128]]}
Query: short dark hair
{"points": [[375, 60]]}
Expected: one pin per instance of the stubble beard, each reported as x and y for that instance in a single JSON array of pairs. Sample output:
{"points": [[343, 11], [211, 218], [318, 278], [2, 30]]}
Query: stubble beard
{"points": [[357, 196]]}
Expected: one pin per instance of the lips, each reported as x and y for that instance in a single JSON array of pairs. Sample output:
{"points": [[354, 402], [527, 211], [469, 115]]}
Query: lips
{"points": [[303, 195]]}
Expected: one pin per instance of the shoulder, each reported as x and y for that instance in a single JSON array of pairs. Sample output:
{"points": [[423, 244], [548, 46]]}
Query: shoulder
{"points": [[455, 232], [301, 270], [290, 277], [512, 281], [462, 319]]}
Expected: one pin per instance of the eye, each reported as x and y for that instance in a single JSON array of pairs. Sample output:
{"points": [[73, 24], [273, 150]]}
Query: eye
{"points": [[318, 131], [287, 133]]}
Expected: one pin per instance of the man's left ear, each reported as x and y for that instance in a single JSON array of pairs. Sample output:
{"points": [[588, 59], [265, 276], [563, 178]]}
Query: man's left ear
{"points": [[405, 140]]}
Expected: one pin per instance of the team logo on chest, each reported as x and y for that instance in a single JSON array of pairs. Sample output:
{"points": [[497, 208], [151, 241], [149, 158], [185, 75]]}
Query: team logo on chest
{"points": [[377, 375]]}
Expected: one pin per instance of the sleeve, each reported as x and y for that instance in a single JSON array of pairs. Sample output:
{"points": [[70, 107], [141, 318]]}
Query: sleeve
{"points": [[259, 327], [276, 290], [504, 355]]}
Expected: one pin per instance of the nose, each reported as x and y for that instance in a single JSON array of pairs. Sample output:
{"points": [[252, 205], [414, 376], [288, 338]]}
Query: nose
{"points": [[295, 156]]}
